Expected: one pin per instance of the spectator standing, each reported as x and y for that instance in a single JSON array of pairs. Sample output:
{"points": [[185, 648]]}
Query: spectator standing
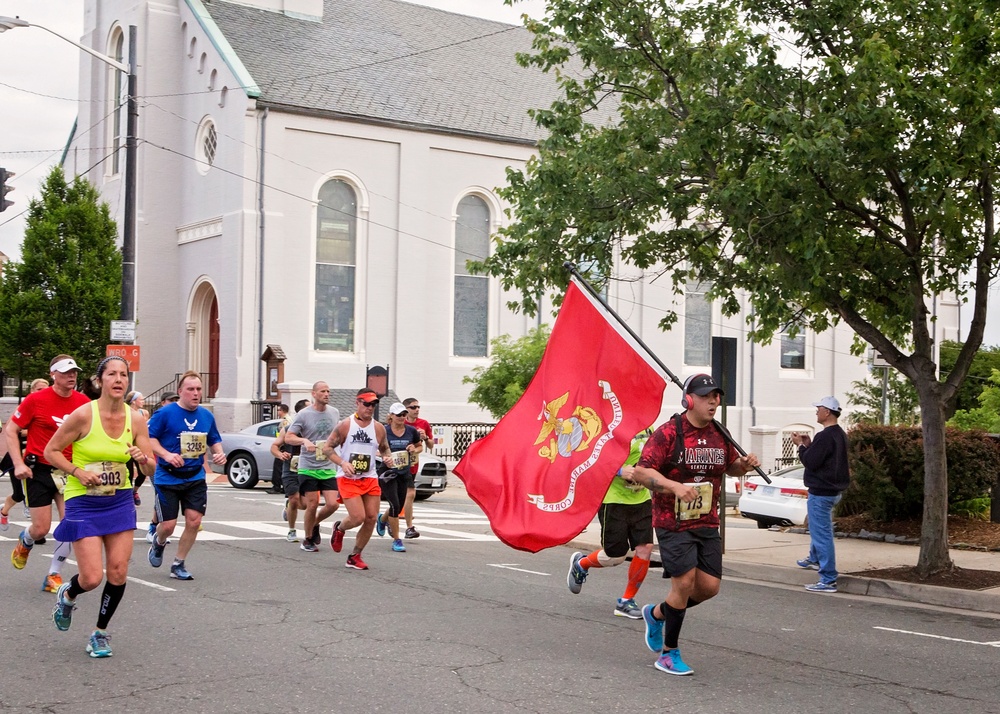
{"points": [[827, 476]]}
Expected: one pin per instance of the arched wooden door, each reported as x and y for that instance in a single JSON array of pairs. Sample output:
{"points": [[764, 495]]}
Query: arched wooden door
{"points": [[213, 348]]}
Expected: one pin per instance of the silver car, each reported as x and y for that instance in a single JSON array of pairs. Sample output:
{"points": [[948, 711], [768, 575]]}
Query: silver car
{"points": [[248, 454]]}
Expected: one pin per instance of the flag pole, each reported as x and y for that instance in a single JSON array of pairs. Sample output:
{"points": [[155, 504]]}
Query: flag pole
{"points": [[571, 267]]}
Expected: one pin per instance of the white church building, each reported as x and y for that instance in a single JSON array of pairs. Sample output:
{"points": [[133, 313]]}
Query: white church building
{"points": [[314, 175]]}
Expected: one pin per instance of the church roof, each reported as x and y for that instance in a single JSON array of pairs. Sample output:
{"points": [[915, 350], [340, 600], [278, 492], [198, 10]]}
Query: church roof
{"points": [[391, 62]]}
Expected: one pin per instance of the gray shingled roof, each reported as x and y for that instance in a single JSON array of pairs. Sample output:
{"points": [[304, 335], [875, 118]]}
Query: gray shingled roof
{"points": [[392, 61]]}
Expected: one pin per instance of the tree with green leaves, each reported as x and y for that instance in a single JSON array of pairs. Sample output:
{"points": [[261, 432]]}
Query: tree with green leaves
{"points": [[65, 291], [985, 361], [512, 365], [986, 415], [830, 161], [867, 400]]}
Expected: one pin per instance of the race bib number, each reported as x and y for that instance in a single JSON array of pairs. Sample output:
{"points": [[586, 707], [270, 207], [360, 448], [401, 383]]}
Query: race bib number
{"points": [[113, 474], [701, 506], [414, 458], [398, 459], [320, 454], [361, 463], [293, 465], [59, 479], [193, 444]]}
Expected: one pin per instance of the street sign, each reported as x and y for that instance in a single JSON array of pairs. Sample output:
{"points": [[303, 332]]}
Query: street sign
{"points": [[123, 330], [130, 353]]}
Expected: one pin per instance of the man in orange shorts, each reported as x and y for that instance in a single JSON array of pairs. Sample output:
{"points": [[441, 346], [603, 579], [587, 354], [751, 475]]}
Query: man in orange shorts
{"points": [[351, 447]]}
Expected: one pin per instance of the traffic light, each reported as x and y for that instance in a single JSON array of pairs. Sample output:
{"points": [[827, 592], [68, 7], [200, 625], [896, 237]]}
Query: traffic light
{"points": [[5, 189]]}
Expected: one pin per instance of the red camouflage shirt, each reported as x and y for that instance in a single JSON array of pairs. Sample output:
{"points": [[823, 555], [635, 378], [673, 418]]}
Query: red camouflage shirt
{"points": [[706, 457]]}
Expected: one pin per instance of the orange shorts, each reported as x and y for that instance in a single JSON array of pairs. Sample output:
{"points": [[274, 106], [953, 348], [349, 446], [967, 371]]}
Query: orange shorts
{"points": [[354, 487]]}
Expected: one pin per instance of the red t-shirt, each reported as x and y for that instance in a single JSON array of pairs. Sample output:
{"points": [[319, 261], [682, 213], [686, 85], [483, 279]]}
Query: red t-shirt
{"points": [[42, 413], [706, 456], [419, 423]]}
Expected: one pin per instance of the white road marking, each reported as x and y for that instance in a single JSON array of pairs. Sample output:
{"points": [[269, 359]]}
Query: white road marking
{"points": [[510, 566], [155, 586], [939, 637]]}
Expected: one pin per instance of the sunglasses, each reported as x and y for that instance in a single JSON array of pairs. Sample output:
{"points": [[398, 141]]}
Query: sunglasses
{"points": [[369, 404], [413, 406]]}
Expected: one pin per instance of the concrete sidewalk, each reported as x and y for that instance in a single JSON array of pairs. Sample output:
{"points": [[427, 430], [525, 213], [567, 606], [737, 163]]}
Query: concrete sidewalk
{"points": [[770, 555]]}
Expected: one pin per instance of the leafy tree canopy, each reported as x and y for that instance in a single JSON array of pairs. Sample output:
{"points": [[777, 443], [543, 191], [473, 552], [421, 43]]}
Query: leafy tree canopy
{"points": [[867, 400], [65, 291], [835, 160], [513, 364], [986, 415]]}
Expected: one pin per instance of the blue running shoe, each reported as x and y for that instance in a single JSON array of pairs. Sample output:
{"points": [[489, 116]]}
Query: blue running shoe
{"points": [[654, 629], [150, 532], [576, 576], [822, 587], [671, 663], [807, 564], [380, 526], [62, 615], [155, 554], [397, 545], [99, 645], [179, 572]]}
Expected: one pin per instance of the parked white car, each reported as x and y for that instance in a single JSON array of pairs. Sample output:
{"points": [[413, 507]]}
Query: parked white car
{"points": [[780, 503]]}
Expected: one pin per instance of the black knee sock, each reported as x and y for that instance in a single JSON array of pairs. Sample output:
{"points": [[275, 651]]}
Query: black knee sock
{"points": [[672, 621], [74, 590], [110, 598]]}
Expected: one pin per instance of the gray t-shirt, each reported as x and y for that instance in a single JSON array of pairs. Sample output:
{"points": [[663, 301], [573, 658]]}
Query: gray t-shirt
{"points": [[315, 426]]}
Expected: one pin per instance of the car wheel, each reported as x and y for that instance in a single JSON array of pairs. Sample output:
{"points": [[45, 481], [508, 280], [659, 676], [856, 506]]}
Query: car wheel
{"points": [[241, 470]]}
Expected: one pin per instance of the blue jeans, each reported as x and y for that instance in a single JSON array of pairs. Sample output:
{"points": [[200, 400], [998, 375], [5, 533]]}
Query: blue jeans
{"points": [[820, 512]]}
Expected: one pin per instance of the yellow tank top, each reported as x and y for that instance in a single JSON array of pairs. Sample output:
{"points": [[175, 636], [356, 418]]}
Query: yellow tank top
{"points": [[99, 453]]}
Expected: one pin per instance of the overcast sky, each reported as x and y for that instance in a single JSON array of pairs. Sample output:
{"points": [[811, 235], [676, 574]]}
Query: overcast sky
{"points": [[38, 90]]}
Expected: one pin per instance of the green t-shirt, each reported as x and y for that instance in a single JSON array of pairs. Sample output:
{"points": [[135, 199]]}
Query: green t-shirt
{"points": [[620, 490]]}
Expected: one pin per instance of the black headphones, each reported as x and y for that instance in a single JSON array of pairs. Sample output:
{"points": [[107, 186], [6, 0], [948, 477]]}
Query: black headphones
{"points": [[686, 401]]}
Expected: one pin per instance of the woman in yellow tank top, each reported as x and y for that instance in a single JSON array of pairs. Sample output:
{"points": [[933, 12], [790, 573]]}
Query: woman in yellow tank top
{"points": [[100, 511]]}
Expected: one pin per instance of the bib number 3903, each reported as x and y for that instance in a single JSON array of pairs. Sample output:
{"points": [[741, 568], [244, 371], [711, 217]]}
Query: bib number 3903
{"points": [[700, 506], [114, 475]]}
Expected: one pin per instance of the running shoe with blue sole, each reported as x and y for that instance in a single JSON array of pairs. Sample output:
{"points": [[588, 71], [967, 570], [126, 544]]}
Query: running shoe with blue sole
{"points": [[62, 615], [654, 629], [99, 645]]}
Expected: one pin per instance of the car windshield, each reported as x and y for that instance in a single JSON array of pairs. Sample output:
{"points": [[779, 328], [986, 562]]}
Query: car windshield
{"points": [[795, 472]]}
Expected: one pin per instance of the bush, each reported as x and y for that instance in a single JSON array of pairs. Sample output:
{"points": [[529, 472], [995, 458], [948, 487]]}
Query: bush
{"points": [[887, 470]]}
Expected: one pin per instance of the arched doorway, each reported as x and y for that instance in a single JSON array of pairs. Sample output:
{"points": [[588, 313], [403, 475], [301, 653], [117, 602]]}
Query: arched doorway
{"points": [[203, 337]]}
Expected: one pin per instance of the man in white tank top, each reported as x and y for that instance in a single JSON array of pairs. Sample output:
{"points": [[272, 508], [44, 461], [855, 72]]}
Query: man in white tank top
{"points": [[352, 447]]}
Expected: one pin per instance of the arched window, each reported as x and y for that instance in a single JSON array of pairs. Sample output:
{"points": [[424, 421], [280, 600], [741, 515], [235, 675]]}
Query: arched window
{"points": [[336, 261], [472, 242], [117, 101], [697, 324], [206, 144]]}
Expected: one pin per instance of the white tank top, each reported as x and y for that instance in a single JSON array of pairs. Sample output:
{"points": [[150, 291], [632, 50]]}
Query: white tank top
{"points": [[359, 448]]}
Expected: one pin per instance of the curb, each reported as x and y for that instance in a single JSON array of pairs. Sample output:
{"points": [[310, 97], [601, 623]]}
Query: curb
{"points": [[954, 598]]}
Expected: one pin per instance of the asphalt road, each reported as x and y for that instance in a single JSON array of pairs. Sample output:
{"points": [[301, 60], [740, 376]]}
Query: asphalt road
{"points": [[462, 623]]}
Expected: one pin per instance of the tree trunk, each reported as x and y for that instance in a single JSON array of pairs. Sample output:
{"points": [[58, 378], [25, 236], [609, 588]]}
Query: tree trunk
{"points": [[934, 555]]}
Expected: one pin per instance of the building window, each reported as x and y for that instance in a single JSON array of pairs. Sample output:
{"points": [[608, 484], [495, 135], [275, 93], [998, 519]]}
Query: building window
{"points": [[472, 242], [118, 100], [697, 324], [206, 145], [336, 262], [793, 349]]}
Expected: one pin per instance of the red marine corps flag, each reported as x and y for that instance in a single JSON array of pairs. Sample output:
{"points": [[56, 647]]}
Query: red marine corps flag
{"points": [[541, 475]]}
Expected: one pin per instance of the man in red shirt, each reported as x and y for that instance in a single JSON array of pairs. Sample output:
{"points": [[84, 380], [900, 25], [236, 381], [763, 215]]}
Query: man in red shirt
{"points": [[686, 478], [425, 432], [42, 413]]}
